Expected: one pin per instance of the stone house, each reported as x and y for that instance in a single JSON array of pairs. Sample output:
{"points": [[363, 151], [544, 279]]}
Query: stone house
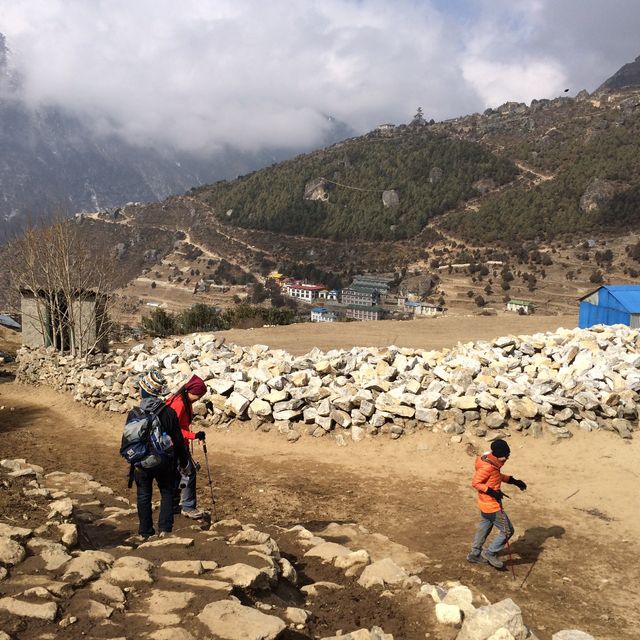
{"points": [[49, 318]]}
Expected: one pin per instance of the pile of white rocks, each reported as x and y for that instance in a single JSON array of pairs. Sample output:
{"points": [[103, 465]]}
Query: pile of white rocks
{"points": [[555, 382]]}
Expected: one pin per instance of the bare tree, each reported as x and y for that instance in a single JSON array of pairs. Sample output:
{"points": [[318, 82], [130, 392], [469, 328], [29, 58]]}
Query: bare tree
{"points": [[70, 282]]}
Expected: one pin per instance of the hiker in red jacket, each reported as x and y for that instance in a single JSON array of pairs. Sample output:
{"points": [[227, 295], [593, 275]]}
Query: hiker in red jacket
{"points": [[487, 481], [182, 403]]}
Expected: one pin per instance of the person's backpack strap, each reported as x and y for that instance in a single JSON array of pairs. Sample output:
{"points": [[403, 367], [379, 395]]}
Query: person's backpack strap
{"points": [[130, 480]]}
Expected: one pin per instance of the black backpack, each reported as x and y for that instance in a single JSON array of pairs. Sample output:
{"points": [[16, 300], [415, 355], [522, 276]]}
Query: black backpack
{"points": [[144, 443]]}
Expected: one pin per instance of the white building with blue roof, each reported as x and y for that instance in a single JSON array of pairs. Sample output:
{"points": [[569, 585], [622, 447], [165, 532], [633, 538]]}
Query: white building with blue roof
{"points": [[322, 314]]}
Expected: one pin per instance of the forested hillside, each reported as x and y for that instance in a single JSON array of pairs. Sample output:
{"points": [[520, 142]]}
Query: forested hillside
{"points": [[429, 173], [596, 186]]}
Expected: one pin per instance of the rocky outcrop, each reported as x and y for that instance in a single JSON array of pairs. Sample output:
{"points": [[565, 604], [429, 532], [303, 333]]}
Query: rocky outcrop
{"points": [[317, 189], [598, 194], [390, 198]]}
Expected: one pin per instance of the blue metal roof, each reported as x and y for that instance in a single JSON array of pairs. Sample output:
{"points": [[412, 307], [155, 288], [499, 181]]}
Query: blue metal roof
{"points": [[320, 310], [628, 295]]}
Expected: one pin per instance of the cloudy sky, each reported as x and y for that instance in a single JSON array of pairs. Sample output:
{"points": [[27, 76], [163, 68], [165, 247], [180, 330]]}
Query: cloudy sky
{"points": [[201, 74]]}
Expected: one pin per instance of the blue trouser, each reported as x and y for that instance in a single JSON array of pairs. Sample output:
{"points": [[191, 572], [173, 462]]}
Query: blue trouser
{"points": [[164, 476], [188, 483], [498, 519]]}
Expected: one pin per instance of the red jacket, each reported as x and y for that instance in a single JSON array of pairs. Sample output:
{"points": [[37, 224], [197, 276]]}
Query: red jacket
{"points": [[488, 475], [185, 413]]}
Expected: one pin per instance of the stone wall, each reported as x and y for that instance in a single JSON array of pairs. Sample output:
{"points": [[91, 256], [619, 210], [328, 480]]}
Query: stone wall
{"points": [[555, 382]]}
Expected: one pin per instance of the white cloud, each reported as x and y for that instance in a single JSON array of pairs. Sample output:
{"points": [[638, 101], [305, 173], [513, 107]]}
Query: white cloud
{"points": [[202, 74]]}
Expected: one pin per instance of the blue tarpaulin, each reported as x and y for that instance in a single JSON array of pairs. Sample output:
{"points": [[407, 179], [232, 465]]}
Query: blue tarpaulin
{"points": [[8, 321]]}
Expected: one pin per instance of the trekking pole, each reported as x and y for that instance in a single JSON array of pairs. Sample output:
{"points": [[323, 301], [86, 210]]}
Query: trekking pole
{"points": [[213, 501], [504, 517]]}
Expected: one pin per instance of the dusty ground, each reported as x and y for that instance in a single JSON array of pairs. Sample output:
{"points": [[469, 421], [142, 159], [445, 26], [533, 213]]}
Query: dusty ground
{"points": [[577, 528], [425, 333]]}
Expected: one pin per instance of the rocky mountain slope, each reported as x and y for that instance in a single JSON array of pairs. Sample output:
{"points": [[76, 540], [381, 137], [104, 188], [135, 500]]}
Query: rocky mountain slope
{"points": [[627, 76]]}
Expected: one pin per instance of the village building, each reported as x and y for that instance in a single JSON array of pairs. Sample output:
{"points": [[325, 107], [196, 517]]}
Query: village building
{"points": [[277, 277], [418, 308], [611, 304], [427, 309], [364, 312], [360, 295], [523, 307], [333, 295], [322, 314], [305, 292]]}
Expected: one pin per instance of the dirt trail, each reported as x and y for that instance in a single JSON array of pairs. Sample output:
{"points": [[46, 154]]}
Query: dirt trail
{"points": [[577, 528]]}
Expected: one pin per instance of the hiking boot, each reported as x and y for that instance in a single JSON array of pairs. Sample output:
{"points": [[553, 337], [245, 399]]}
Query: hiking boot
{"points": [[139, 538], [476, 558], [194, 514], [164, 534], [493, 560]]}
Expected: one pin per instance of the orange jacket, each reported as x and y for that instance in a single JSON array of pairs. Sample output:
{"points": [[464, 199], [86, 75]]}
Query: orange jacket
{"points": [[487, 476]]}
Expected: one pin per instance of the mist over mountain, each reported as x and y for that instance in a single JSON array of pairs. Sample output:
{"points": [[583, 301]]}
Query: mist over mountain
{"points": [[56, 162]]}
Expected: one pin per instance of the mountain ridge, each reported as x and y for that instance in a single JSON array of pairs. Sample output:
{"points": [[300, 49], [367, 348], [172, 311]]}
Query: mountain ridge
{"points": [[627, 76]]}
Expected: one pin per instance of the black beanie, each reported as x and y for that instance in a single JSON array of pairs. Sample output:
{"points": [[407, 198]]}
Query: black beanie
{"points": [[500, 449]]}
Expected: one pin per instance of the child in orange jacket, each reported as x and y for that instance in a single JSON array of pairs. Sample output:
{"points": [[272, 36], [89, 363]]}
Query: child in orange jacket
{"points": [[487, 481]]}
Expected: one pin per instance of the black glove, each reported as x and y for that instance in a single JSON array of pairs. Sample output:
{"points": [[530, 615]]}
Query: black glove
{"points": [[518, 483], [497, 495], [201, 435]]}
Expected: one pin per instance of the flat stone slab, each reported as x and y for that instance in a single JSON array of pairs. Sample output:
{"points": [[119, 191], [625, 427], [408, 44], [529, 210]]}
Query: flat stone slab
{"points": [[242, 575], [47, 611], [315, 588], [382, 573], [193, 567], [171, 633], [229, 620], [168, 601], [111, 592], [167, 542], [96, 610], [54, 555], [16, 533], [200, 583], [86, 566], [29, 581], [126, 575], [328, 551]]}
